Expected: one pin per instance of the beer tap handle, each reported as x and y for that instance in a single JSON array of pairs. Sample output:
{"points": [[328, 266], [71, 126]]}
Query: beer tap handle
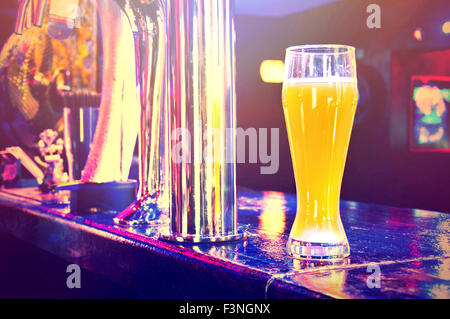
{"points": [[24, 6], [38, 18]]}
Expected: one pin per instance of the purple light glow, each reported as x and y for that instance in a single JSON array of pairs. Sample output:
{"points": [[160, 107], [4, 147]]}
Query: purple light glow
{"points": [[276, 8]]}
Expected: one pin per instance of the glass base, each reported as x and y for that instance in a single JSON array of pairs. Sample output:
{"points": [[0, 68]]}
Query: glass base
{"points": [[317, 251], [143, 211]]}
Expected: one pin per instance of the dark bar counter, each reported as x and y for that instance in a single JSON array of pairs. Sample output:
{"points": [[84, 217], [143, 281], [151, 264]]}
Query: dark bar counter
{"points": [[409, 247]]}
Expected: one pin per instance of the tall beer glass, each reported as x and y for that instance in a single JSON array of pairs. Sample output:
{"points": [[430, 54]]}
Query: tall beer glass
{"points": [[319, 101]]}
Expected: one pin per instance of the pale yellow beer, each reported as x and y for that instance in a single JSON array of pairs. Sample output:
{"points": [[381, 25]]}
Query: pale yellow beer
{"points": [[319, 115]]}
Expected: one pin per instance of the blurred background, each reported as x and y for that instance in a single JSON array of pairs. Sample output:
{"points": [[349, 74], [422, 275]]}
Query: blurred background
{"points": [[396, 157]]}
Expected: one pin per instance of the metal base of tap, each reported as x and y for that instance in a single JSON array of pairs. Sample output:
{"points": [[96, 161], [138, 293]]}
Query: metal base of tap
{"points": [[203, 239], [88, 198], [143, 211]]}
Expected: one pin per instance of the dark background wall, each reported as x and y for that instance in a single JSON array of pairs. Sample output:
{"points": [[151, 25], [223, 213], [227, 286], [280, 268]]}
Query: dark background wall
{"points": [[8, 10], [380, 167]]}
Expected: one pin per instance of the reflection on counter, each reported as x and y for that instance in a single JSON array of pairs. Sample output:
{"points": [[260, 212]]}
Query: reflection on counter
{"points": [[413, 255], [272, 221]]}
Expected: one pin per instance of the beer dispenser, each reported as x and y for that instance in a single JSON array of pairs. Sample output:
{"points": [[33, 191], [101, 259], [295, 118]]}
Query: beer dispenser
{"points": [[173, 63], [186, 74], [202, 114]]}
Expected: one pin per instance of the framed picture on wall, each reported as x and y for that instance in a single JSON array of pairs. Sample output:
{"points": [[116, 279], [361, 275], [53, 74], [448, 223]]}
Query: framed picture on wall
{"points": [[429, 114]]}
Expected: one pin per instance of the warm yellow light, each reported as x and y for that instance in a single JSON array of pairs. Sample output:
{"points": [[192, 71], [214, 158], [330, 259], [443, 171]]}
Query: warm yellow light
{"points": [[272, 71], [418, 34], [446, 27], [273, 215]]}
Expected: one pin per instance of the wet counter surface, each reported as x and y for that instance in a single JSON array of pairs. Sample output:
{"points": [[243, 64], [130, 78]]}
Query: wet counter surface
{"points": [[407, 250]]}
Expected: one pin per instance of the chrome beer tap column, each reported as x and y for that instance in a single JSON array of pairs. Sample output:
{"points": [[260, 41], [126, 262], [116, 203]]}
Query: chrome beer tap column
{"points": [[23, 14], [202, 121], [148, 22]]}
